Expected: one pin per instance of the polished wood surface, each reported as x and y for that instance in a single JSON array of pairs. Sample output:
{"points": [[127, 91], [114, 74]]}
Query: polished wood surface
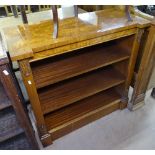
{"points": [[80, 45], [29, 39]]}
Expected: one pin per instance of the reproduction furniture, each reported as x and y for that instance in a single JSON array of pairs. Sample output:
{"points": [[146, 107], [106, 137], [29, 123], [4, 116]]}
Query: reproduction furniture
{"points": [[15, 128], [80, 76]]}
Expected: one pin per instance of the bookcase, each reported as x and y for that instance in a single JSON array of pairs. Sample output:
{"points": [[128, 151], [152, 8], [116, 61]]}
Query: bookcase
{"points": [[82, 75], [16, 132]]}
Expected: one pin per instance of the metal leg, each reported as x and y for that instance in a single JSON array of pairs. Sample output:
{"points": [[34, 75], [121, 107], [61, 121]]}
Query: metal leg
{"points": [[127, 12], [55, 20], [14, 10], [76, 10], [23, 14]]}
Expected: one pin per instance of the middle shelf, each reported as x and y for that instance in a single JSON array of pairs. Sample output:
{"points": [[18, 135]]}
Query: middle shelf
{"points": [[80, 61], [66, 92]]}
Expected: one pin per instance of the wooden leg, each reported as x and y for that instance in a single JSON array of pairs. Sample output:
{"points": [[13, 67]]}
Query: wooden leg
{"points": [[124, 100], [136, 102]]}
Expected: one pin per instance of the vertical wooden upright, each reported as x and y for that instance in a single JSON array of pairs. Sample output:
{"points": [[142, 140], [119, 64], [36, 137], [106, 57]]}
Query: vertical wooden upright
{"points": [[144, 72], [34, 99]]}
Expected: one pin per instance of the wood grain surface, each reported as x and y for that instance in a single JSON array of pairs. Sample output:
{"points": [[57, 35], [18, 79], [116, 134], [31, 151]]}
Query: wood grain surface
{"points": [[38, 37], [65, 66], [65, 93]]}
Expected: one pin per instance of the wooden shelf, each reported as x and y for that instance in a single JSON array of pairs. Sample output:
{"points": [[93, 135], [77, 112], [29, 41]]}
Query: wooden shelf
{"points": [[4, 100], [80, 113], [9, 127], [19, 142], [65, 66], [72, 90]]}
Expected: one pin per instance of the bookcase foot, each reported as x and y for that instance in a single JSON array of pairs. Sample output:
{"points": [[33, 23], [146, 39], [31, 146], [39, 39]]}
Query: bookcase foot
{"points": [[136, 103], [46, 140]]}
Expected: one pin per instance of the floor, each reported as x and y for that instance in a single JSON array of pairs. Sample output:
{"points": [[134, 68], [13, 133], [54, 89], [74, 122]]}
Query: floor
{"points": [[119, 130]]}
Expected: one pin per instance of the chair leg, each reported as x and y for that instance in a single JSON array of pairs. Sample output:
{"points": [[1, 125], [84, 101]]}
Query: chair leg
{"points": [[14, 10], [23, 14], [76, 10], [127, 12], [56, 22]]}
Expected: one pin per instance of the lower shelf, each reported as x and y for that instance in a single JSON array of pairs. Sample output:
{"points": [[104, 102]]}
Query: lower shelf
{"points": [[69, 118], [9, 126], [19, 142]]}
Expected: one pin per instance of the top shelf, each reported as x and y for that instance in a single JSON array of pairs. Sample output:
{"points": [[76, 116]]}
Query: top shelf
{"points": [[62, 67]]}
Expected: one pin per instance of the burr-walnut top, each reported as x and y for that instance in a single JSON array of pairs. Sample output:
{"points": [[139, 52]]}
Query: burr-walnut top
{"points": [[25, 41]]}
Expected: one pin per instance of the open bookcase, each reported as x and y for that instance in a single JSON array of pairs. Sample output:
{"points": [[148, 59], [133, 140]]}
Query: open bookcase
{"points": [[80, 76], [79, 87]]}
